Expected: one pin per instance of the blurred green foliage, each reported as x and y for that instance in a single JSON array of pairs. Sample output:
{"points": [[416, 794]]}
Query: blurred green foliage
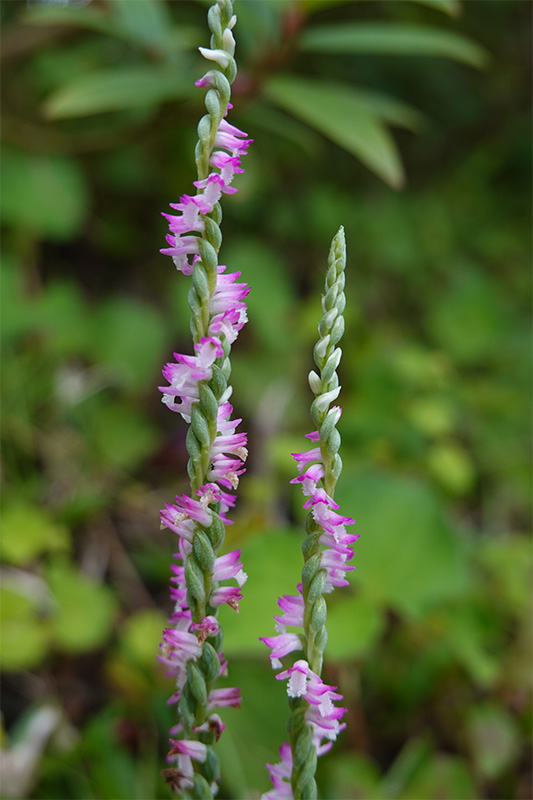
{"points": [[431, 644]]}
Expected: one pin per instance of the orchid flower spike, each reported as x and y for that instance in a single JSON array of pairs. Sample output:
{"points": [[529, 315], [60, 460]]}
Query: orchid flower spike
{"points": [[197, 388], [315, 720]]}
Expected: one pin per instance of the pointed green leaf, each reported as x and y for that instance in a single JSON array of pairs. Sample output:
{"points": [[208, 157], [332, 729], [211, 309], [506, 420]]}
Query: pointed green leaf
{"points": [[143, 21], [450, 7], [338, 112], [384, 38], [388, 108], [69, 15], [115, 90]]}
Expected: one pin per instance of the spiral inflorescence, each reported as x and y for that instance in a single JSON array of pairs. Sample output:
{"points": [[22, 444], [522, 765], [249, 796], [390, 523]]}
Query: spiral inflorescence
{"points": [[198, 389], [315, 719]]}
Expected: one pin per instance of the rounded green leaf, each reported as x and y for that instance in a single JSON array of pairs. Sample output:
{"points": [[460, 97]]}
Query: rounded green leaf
{"points": [[24, 638], [85, 609], [141, 634], [408, 556], [452, 466], [27, 532]]}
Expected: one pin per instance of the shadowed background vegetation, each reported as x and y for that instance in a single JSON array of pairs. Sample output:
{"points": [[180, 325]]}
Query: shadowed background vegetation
{"points": [[408, 123]]}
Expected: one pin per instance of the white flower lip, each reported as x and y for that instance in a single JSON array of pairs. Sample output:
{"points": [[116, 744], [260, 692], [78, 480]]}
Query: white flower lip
{"points": [[220, 56]]}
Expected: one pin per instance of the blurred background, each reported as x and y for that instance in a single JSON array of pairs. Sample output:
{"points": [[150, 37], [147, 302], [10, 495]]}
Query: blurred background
{"points": [[408, 123]]}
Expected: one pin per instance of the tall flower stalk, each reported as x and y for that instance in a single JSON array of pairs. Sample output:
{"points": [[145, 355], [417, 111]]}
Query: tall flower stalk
{"points": [[198, 389], [315, 716]]}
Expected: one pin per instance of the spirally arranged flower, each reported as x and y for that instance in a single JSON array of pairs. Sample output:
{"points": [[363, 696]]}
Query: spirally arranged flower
{"points": [[316, 715], [197, 388]]}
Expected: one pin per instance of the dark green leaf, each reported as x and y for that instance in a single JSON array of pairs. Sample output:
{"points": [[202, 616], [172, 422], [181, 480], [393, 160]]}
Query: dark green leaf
{"points": [[451, 7], [129, 341], [144, 21], [442, 776], [341, 114], [44, 194], [69, 15], [114, 90], [384, 38]]}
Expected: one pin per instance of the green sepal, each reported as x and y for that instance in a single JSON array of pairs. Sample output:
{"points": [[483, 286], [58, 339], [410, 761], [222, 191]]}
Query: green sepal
{"points": [[194, 579], [328, 425], [331, 365], [329, 299], [203, 550], [212, 104], [317, 415], [218, 382], [212, 232], [337, 330], [326, 323], [216, 213], [214, 22], [208, 254], [210, 663], [316, 585], [194, 302], [216, 532], [200, 427], [311, 525], [187, 706], [311, 545], [191, 471], [202, 789], [321, 640], [303, 747], [223, 87], [196, 682], [195, 464], [336, 466], [226, 368], [231, 71], [330, 444], [319, 615], [209, 406], [305, 788], [219, 638], [200, 283], [210, 767], [204, 130], [309, 571], [194, 447], [296, 721]]}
